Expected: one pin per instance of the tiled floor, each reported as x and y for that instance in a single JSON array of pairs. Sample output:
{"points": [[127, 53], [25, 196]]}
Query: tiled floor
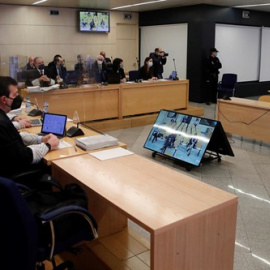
{"points": [[247, 175]]}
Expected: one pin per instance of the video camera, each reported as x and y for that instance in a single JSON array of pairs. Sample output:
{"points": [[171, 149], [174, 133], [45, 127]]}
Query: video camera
{"points": [[165, 54]]}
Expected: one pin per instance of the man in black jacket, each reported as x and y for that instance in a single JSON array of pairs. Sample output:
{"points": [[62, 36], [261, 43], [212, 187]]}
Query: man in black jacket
{"points": [[40, 75], [159, 60], [19, 151], [211, 72]]}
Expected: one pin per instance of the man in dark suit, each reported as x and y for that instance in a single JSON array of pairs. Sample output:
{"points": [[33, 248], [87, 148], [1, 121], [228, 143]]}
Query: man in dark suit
{"points": [[212, 67], [40, 76], [106, 59], [159, 60], [58, 71]]}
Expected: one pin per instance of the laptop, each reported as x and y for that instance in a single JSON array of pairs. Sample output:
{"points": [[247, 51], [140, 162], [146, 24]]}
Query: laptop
{"points": [[72, 77], [113, 78], [55, 124]]}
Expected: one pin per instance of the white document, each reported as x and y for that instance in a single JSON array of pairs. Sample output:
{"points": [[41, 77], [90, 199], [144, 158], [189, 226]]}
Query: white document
{"points": [[111, 153], [63, 144]]}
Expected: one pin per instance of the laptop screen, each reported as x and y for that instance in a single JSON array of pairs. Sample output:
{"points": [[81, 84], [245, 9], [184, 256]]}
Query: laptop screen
{"points": [[54, 123]]}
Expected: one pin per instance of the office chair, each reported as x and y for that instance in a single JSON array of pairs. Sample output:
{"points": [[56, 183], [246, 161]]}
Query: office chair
{"points": [[133, 75], [22, 233], [227, 85]]}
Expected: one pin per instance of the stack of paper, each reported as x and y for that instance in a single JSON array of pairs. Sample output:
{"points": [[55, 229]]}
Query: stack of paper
{"points": [[96, 142]]}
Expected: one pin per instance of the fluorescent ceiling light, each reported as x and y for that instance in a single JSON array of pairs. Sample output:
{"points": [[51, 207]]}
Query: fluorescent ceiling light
{"points": [[255, 5], [140, 4], [38, 2]]}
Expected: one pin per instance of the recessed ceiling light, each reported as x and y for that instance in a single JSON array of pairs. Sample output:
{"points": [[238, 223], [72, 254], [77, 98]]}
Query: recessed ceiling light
{"points": [[38, 2], [140, 4], [254, 5]]}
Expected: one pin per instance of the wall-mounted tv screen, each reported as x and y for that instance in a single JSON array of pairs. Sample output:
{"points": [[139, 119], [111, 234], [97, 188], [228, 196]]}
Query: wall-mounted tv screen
{"points": [[94, 21], [181, 136]]}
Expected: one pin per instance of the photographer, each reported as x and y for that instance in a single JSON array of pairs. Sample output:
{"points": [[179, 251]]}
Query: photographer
{"points": [[159, 59]]}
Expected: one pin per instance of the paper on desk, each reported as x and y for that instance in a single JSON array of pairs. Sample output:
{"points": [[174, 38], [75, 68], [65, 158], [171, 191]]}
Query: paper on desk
{"points": [[63, 144], [111, 153]]}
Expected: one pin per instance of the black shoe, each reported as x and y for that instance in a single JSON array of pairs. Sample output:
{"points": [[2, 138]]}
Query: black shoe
{"points": [[208, 103]]}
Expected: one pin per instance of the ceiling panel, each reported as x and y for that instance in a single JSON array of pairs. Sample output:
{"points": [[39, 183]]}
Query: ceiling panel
{"points": [[109, 4]]}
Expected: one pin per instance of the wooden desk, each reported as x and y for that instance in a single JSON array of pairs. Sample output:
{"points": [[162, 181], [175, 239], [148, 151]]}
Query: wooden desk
{"points": [[69, 151], [96, 102], [248, 118], [192, 225]]}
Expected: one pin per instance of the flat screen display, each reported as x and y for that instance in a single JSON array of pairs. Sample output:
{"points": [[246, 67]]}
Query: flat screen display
{"points": [[54, 123], [94, 21], [181, 136]]}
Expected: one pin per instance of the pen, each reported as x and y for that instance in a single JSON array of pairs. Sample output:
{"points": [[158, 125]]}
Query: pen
{"points": [[75, 148]]}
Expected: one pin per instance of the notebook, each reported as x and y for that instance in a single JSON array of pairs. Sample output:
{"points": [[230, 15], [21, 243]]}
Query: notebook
{"points": [[54, 123]]}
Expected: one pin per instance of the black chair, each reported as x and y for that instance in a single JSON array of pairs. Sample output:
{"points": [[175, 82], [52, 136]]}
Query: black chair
{"points": [[133, 75], [227, 85], [21, 233]]}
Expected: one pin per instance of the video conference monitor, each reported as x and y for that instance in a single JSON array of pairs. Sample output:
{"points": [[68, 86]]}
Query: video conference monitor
{"points": [[184, 137], [94, 21]]}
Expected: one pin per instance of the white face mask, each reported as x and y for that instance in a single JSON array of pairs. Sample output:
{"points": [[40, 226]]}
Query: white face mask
{"points": [[122, 66], [99, 62], [150, 64]]}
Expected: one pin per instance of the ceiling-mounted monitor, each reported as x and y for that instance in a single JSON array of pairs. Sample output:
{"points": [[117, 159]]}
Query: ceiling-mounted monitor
{"points": [[94, 21]]}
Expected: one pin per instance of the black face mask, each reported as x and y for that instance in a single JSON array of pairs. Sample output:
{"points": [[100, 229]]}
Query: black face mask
{"points": [[40, 67], [17, 102]]}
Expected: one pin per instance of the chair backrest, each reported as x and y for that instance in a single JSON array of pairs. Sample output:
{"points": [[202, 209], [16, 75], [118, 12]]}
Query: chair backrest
{"points": [[265, 98], [229, 80], [19, 236], [133, 75]]}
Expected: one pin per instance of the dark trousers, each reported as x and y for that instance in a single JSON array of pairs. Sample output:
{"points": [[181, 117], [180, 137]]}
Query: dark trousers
{"points": [[211, 88]]}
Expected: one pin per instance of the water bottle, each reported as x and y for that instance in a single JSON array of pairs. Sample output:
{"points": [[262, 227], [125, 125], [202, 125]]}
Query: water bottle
{"points": [[45, 107], [27, 105]]}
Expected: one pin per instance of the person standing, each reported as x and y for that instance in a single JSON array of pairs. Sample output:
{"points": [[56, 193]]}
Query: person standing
{"points": [[212, 70], [159, 60]]}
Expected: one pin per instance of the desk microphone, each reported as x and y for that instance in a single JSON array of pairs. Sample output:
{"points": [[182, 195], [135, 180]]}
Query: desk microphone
{"points": [[137, 60], [175, 77]]}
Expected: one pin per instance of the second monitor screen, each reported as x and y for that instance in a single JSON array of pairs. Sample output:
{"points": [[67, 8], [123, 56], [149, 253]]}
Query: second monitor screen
{"points": [[180, 136]]}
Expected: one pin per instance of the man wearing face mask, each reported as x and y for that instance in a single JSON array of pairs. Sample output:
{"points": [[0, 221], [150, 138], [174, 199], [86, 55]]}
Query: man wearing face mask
{"points": [[211, 72], [19, 151], [159, 60], [99, 69], [146, 71], [40, 76]]}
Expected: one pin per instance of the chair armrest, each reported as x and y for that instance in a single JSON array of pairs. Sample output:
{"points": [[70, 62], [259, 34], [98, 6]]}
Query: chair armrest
{"points": [[70, 209], [22, 188]]}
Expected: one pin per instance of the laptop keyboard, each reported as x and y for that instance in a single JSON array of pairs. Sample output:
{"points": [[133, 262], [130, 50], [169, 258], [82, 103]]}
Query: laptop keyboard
{"points": [[35, 122]]}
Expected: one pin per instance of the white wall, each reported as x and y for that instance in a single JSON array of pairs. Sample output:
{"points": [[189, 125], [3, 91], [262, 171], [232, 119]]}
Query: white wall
{"points": [[265, 55], [31, 30], [172, 39], [239, 48]]}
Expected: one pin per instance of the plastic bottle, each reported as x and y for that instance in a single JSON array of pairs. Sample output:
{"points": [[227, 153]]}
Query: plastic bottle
{"points": [[45, 107], [76, 119], [27, 105]]}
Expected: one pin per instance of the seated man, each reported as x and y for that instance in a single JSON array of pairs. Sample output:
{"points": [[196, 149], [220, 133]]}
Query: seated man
{"points": [[30, 64], [99, 69], [19, 151], [40, 76], [58, 70], [106, 59]]}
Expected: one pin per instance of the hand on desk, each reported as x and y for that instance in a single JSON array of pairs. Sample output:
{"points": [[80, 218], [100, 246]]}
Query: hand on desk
{"points": [[52, 140], [23, 121]]}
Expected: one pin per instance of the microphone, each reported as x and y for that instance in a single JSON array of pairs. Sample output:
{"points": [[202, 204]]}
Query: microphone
{"points": [[175, 77], [137, 59]]}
